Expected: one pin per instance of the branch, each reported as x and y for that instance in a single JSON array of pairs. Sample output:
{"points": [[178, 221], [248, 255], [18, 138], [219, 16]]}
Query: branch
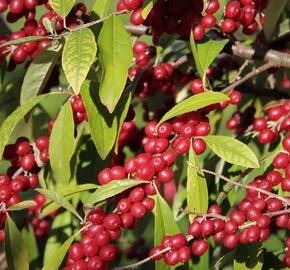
{"points": [[248, 76], [269, 194], [135, 265], [258, 52], [137, 30]]}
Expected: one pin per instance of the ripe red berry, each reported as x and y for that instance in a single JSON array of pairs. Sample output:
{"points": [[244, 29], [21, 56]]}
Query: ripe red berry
{"points": [[27, 162], [132, 4], [108, 253], [184, 254], [208, 21], [235, 97], [286, 143], [196, 86], [199, 247], [266, 136], [198, 32], [233, 9], [228, 25], [198, 145], [138, 210], [212, 7]]}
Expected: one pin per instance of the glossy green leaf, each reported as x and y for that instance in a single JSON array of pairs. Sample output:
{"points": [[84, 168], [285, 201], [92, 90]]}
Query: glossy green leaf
{"points": [[281, 30], [195, 56], [113, 188], [51, 206], [103, 125], [22, 40], [115, 56], [249, 257], [232, 151], [101, 8], [30, 243], [58, 256], [62, 7], [272, 14], [13, 119], [194, 103], [38, 73], [208, 50], [196, 186], [61, 144], [16, 253], [164, 225], [22, 205], [205, 52], [60, 200], [79, 53]]}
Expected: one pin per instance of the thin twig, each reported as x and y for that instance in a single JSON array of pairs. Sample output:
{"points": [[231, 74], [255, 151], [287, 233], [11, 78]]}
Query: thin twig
{"points": [[248, 76], [269, 194], [137, 264]]}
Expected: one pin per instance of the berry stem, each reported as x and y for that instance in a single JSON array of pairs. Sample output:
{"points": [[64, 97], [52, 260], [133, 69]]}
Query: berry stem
{"points": [[269, 194], [248, 76]]}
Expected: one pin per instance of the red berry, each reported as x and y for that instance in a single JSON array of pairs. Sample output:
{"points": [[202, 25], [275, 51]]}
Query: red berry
{"points": [[140, 47], [208, 21], [235, 97], [27, 162], [198, 145], [212, 7], [138, 210], [233, 9], [108, 253], [198, 32], [196, 86], [266, 136], [199, 247], [228, 25]]}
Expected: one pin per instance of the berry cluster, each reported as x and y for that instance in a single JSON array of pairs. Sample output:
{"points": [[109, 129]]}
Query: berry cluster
{"points": [[268, 127], [41, 226], [245, 13], [94, 251], [26, 160], [79, 109], [256, 216], [166, 16], [207, 21], [32, 27]]}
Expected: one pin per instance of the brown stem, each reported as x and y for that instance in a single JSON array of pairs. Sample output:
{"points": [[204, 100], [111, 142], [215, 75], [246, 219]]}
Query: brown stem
{"points": [[248, 52], [137, 30], [137, 264], [248, 76], [208, 215], [269, 194]]}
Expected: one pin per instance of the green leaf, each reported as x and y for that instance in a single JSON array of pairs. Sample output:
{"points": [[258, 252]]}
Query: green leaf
{"points": [[113, 188], [12, 120], [249, 257], [61, 144], [194, 103], [22, 205], [272, 14], [281, 30], [206, 51], [101, 8], [38, 73], [22, 40], [30, 242], [58, 256], [164, 225], [79, 53], [148, 5], [232, 150], [115, 56], [60, 200], [62, 7], [103, 125], [16, 253], [195, 56], [224, 260], [51, 206], [197, 193]]}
